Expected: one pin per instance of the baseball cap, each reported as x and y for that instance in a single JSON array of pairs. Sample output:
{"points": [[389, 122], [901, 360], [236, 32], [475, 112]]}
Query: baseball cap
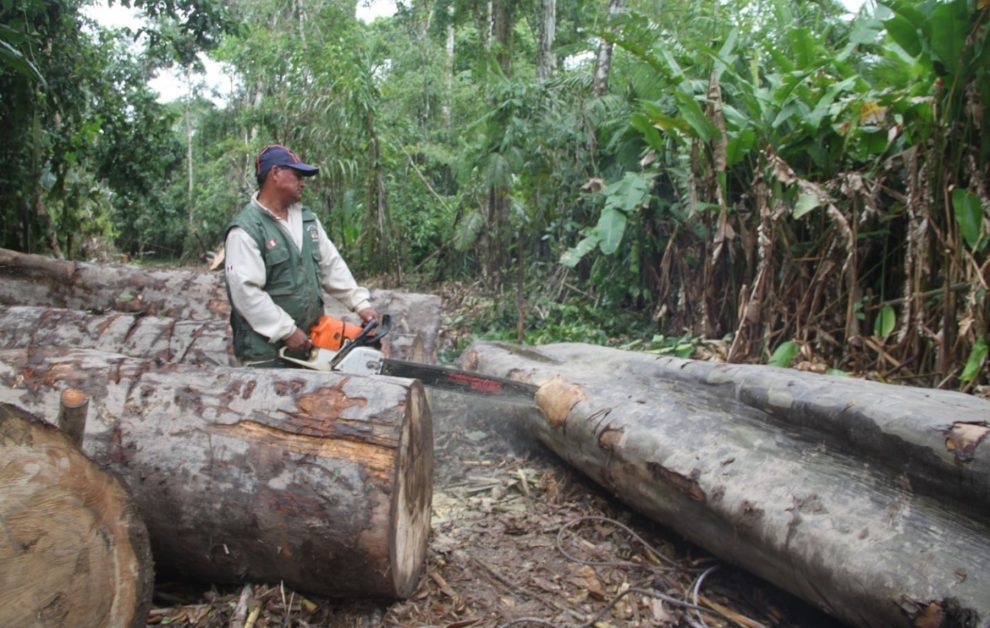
{"points": [[278, 155]]}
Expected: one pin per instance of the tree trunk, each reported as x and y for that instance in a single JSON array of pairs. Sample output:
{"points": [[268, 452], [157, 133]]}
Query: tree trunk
{"points": [[73, 551], [603, 62], [546, 62], [319, 480], [448, 96], [868, 500], [190, 294]]}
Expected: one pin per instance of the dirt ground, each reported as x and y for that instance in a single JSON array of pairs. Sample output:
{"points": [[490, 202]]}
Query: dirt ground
{"points": [[518, 539]]}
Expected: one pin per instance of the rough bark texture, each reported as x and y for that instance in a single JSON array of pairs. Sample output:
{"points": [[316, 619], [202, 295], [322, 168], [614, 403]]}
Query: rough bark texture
{"points": [[188, 294], [73, 551], [868, 500], [163, 340], [319, 480]]}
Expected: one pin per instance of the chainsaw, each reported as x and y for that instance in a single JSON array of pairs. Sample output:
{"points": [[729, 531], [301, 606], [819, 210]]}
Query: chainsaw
{"points": [[344, 347]]}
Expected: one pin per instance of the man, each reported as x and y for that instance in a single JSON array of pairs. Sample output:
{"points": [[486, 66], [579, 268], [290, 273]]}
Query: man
{"points": [[279, 262]]}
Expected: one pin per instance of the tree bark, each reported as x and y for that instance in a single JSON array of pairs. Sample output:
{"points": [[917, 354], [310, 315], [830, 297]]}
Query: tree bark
{"points": [[603, 61], [162, 340], [191, 294], [72, 548], [546, 62], [319, 480], [868, 500]]}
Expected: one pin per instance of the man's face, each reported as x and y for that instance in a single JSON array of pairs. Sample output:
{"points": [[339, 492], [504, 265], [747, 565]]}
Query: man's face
{"points": [[289, 182]]}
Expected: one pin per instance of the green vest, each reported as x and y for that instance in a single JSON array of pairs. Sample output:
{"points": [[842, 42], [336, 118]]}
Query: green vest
{"points": [[292, 279]]}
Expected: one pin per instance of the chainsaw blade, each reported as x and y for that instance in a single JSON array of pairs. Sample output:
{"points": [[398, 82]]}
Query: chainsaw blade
{"points": [[459, 381]]}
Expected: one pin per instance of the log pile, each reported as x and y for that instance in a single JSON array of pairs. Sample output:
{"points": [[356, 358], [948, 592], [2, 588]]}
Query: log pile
{"points": [[74, 552], [190, 295], [870, 501], [322, 481]]}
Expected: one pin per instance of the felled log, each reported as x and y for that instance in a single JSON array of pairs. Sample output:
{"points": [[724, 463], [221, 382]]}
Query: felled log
{"points": [[73, 551], [190, 294], [865, 499], [160, 339], [202, 342], [319, 480]]}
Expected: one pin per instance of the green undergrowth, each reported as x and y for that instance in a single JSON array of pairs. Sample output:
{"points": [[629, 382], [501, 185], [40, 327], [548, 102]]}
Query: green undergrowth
{"points": [[476, 317]]}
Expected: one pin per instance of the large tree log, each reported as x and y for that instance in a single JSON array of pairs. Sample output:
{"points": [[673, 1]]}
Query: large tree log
{"points": [[73, 551], [866, 499], [202, 342], [320, 480], [190, 294]]}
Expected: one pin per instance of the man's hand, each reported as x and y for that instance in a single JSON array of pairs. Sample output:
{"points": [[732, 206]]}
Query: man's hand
{"points": [[298, 342], [369, 314]]}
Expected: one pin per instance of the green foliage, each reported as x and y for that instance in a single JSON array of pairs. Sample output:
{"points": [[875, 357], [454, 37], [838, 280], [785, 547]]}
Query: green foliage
{"points": [[977, 356], [969, 215], [884, 323], [784, 354]]}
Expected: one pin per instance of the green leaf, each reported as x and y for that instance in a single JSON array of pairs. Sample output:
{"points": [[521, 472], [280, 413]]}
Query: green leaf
{"points": [[739, 145], [805, 203], [949, 25], [803, 47], [467, 231], [611, 225], [695, 117], [865, 29], [644, 125], [573, 255], [825, 102], [628, 193], [904, 34], [976, 358], [784, 354], [885, 322], [837, 372], [969, 215]]}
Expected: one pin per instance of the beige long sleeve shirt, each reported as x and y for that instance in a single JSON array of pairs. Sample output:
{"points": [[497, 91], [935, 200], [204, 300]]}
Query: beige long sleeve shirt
{"points": [[245, 270]]}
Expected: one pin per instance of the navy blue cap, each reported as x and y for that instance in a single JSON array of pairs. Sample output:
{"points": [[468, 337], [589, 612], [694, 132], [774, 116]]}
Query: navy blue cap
{"points": [[278, 155]]}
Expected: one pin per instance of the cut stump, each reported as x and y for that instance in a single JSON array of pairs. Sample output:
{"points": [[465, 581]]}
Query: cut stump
{"points": [[73, 551]]}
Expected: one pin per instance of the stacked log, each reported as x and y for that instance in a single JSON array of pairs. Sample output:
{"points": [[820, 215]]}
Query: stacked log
{"points": [[159, 339], [319, 480], [74, 551], [190, 294], [865, 499]]}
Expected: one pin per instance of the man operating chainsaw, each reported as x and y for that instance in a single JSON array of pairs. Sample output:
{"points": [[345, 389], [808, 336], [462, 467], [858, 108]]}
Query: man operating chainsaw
{"points": [[280, 262]]}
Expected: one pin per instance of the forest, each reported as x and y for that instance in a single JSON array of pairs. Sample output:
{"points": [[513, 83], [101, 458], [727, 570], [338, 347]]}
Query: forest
{"points": [[765, 181]]}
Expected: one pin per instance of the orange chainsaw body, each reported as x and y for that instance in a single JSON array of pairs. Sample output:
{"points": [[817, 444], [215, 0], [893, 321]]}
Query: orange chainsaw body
{"points": [[330, 333]]}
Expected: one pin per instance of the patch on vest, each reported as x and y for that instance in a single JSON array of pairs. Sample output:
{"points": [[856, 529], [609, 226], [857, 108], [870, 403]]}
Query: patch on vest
{"points": [[271, 244], [314, 234]]}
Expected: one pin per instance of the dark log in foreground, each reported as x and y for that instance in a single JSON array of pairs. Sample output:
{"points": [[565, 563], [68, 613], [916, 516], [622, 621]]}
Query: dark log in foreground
{"points": [[319, 480], [865, 499], [73, 551], [190, 294]]}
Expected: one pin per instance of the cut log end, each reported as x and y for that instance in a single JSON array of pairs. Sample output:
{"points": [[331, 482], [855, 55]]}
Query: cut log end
{"points": [[74, 552], [412, 499]]}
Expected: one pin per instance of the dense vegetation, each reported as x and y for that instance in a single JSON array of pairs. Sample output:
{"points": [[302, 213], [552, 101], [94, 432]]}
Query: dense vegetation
{"points": [[804, 186]]}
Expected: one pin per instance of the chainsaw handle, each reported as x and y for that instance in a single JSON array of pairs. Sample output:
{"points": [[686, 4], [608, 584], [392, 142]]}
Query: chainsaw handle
{"points": [[381, 330], [363, 339]]}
